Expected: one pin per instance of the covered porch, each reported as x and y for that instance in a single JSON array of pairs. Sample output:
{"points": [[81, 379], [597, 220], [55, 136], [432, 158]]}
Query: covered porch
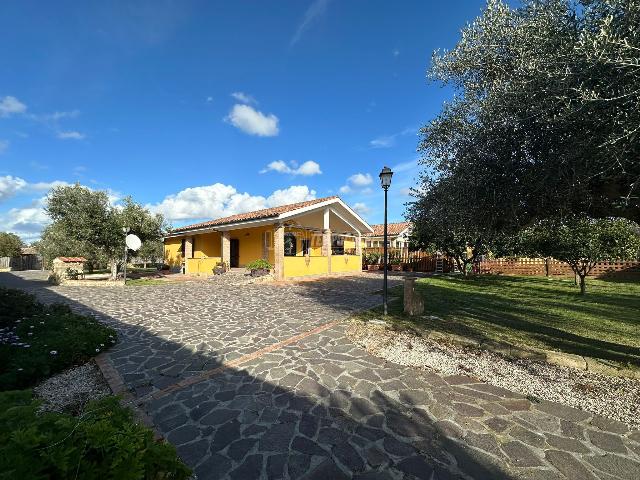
{"points": [[316, 241]]}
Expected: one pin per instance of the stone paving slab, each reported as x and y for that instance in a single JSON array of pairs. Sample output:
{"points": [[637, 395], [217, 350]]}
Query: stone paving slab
{"points": [[322, 407]]}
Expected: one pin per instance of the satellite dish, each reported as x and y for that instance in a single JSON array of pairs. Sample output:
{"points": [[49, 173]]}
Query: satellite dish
{"points": [[133, 242]]}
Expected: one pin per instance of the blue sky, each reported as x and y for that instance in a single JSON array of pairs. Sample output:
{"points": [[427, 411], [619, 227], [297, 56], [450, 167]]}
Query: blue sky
{"points": [[203, 109]]}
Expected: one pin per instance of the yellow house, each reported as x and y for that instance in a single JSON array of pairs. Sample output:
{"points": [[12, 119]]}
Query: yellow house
{"points": [[313, 238]]}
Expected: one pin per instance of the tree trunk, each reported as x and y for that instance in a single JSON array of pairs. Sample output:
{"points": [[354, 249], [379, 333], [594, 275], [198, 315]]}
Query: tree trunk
{"points": [[583, 285]]}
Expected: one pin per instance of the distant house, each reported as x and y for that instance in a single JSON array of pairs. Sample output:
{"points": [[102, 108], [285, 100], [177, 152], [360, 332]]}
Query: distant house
{"points": [[29, 259], [312, 238], [398, 235]]}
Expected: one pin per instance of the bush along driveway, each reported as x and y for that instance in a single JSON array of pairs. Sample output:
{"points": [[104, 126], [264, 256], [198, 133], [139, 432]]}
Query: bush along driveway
{"points": [[262, 382], [99, 441]]}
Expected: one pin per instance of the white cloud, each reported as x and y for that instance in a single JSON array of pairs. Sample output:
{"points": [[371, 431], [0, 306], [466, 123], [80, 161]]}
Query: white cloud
{"points": [[4, 144], [45, 186], [219, 200], [71, 135], [361, 208], [253, 121], [26, 222], [9, 186], [315, 11], [293, 194], [388, 141], [358, 182], [308, 168], [384, 141], [244, 98], [55, 116], [11, 106], [360, 179]]}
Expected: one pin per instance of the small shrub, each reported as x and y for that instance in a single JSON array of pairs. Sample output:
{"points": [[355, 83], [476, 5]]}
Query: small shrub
{"points": [[102, 444], [259, 264], [38, 340]]}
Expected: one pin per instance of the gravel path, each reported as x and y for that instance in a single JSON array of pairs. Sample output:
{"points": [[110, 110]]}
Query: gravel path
{"points": [[72, 389], [613, 397]]}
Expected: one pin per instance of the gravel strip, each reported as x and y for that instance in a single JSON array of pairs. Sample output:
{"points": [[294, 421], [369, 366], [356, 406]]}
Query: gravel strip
{"points": [[613, 397], [72, 389]]}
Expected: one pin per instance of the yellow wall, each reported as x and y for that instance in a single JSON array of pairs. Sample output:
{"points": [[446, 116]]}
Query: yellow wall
{"points": [[349, 243], [250, 240], [301, 266], [202, 266], [207, 245], [173, 252], [345, 263]]}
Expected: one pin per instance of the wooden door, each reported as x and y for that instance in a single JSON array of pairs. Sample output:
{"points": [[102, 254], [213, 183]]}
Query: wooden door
{"points": [[234, 261]]}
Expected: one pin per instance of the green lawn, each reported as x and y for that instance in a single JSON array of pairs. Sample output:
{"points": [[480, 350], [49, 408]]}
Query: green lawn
{"points": [[532, 311]]}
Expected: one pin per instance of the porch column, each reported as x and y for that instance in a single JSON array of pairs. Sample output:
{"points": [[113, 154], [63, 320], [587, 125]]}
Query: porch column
{"points": [[188, 252], [225, 249], [359, 244], [326, 239], [278, 254]]}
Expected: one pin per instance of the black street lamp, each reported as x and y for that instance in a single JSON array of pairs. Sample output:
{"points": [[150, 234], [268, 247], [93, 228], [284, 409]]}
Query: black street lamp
{"points": [[385, 182]]}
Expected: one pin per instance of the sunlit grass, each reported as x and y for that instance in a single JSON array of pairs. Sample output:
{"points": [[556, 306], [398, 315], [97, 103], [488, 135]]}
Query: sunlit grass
{"points": [[532, 311]]}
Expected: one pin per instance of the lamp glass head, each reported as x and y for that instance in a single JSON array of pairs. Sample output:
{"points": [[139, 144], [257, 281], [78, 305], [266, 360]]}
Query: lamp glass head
{"points": [[385, 177]]}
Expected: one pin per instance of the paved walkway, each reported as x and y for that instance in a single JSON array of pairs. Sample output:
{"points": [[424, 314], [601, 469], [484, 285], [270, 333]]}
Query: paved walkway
{"points": [[313, 405]]}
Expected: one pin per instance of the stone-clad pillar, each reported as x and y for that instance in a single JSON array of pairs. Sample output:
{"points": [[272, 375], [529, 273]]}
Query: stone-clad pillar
{"points": [[359, 244], [326, 238], [225, 249], [278, 253], [188, 252]]}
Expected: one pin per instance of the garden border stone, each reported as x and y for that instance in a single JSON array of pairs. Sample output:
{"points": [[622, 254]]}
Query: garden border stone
{"points": [[553, 357]]}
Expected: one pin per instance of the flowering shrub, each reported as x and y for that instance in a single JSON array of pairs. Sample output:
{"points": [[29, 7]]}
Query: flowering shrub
{"points": [[38, 340], [103, 443]]}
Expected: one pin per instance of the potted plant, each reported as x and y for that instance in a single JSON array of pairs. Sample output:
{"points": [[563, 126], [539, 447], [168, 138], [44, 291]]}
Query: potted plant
{"points": [[259, 268], [395, 264], [220, 268]]}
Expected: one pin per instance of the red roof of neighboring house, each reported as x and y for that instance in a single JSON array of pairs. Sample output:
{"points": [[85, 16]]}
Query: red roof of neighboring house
{"points": [[255, 215], [392, 229], [71, 259]]}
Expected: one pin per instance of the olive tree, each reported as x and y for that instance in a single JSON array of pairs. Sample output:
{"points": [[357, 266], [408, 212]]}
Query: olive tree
{"points": [[545, 109], [85, 222], [10, 244], [447, 220], [582, 242]]}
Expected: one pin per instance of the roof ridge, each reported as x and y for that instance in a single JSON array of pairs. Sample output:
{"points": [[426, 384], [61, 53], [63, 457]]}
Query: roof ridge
{"points": [[254, 214]]}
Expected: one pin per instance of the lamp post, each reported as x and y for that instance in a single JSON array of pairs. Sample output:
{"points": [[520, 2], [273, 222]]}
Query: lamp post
{"points": [[125, 230], [385, 182]]}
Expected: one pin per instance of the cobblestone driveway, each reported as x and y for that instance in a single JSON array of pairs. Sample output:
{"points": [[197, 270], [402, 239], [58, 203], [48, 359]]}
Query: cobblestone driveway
{"points": [[319, 407]]}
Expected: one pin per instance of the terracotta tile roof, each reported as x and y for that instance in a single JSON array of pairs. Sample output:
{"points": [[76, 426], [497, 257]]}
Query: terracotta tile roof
{"points": [[71, 259], [255, 215], [392, 229]]}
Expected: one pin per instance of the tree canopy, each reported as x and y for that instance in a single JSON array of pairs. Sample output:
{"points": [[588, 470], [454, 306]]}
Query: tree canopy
{"points": [[581, 242], [86, 223], [10, 244], [547, 109]]}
